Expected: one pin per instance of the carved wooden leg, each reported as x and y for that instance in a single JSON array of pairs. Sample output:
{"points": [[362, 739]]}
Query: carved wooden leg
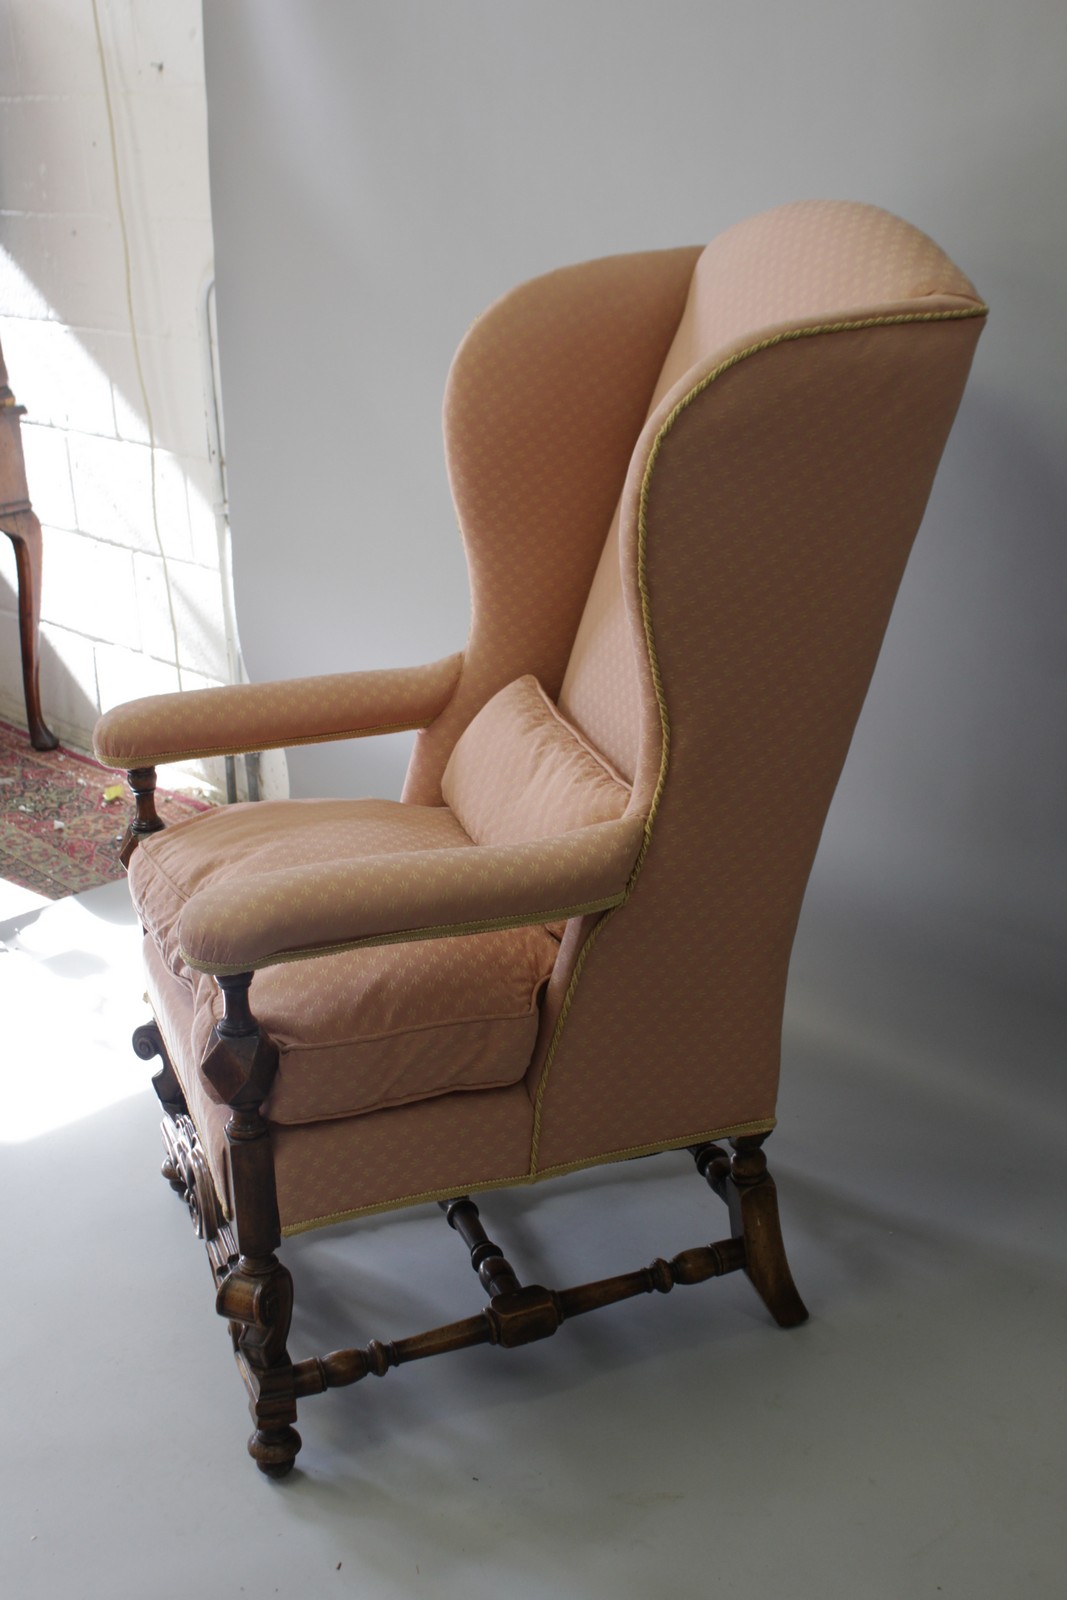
{"points": [[753, 1202], [145, 820], [744, 1184], [494, 1273], [18, 521], [256, 1293], [24, 531]]}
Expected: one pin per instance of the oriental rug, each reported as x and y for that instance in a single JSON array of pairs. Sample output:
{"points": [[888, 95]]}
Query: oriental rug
{"points": [[62, 816]]}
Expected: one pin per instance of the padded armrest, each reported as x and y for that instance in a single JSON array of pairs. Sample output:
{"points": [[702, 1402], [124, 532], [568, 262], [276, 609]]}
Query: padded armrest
{"points": [[299, 912], [267, 716]]}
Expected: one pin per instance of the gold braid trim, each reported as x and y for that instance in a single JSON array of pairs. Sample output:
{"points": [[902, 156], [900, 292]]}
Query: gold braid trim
{"points": [[789, 336]]}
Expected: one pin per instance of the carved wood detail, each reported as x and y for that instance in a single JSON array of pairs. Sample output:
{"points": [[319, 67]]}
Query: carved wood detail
{"points": [[742, 1180], [517, 1317], [146, 819], [186, 1170], [254, 1292], [147, 1044], [494, 1273]]}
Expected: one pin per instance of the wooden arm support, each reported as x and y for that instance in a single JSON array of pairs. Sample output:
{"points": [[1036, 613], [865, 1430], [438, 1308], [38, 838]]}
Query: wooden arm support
{"points": [[145, 820]]}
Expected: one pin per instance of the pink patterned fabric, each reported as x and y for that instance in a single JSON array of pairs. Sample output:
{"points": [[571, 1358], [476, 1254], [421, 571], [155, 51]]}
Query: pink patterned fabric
{"points": [[520, 771], [266, 716], [812, 261], [816, 261], [546, 396], [772, 548], [367, 1028], [243, 923], [764, 420], [244, 844], [372, 1162], [290, 879]]}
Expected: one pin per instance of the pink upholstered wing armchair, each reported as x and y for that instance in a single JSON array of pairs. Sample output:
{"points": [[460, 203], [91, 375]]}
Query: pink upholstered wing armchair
{"points": [[688, 482]]}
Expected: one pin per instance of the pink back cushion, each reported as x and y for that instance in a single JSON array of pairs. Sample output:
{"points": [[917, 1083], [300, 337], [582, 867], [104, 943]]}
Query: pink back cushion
{"points": [[521, 772]]}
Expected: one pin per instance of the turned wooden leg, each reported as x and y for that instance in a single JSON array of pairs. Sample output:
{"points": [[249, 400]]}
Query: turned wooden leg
{"points": [[256, 1293], [257, 1299], [743, 1182], [145, 819], [494, 1273], [753, 1202], [24, 531]]}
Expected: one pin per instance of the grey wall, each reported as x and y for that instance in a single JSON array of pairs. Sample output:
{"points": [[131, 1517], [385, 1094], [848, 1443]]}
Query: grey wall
{"points": [[381, 171]]}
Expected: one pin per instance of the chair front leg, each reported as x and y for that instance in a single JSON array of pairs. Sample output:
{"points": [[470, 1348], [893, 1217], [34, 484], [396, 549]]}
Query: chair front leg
{"points": [[255, 1292], [753, 1202]]}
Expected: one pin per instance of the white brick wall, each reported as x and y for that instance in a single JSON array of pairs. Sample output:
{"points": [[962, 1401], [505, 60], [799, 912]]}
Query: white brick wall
{"points": [[65, 327]]}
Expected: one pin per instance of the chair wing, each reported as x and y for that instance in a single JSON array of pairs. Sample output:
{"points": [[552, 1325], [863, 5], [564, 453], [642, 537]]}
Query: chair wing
{"points": [[765, 528]]}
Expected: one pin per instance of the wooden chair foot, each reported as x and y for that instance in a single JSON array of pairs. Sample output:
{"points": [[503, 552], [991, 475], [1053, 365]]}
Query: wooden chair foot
{"points": [[274, 1450], [256, 1296]]}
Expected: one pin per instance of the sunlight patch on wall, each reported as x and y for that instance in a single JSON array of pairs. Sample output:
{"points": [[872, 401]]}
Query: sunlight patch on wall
{"points": [[123, 609]]}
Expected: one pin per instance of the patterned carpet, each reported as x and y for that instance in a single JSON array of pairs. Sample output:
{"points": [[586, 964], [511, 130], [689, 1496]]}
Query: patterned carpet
{"points": [[61, 818]]}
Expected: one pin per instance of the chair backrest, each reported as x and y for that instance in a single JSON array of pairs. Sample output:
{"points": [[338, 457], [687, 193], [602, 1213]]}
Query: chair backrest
{"points": [[757, 428], [546, 397]]}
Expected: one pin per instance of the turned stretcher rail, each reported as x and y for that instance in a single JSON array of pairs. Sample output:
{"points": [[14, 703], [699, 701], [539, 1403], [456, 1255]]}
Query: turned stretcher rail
{"points": [[518, 1317]]}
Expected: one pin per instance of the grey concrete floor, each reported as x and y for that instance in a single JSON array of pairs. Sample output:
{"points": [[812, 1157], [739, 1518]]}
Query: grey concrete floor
{"points": [[908, 1441]]}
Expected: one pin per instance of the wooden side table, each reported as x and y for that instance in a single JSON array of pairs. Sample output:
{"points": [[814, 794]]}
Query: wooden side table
{"points": [[18, 521]]}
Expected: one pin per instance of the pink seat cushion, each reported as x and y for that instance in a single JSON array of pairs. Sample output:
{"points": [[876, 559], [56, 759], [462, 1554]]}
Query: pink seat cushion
{"points": [[364, 1029]]}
